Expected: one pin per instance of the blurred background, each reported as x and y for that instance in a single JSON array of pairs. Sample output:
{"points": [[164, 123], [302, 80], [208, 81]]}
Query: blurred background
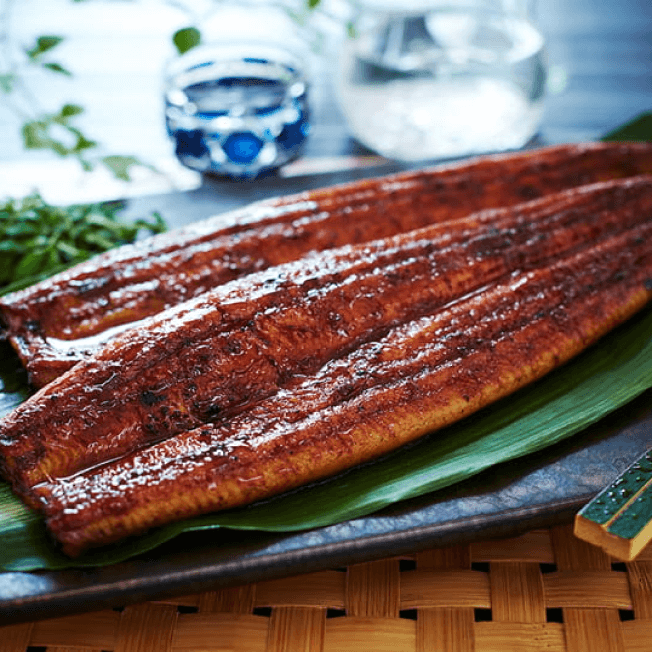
{"points": [[107, 65]]}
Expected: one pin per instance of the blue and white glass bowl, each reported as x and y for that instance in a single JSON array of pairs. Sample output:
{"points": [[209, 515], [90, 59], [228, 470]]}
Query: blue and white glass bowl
{"points": [[238, 109]]}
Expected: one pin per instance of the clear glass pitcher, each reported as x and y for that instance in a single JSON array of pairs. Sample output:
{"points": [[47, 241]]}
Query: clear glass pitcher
{"points": [[427, 79]]}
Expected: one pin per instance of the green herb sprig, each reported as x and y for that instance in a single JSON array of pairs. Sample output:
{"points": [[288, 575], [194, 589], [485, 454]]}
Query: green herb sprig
{"points": [[38, 239], [58, 130]]}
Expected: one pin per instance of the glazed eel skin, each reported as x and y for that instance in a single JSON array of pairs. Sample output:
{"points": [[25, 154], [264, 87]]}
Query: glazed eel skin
{"points": [[293, 374], [58, 322]]}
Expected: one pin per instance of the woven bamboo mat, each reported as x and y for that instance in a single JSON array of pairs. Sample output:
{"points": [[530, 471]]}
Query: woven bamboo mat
{"points": [[545, 590]]}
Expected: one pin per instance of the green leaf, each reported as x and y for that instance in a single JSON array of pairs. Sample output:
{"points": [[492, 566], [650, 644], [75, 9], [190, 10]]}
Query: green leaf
{"points": [[7, 83], [33, 263], [83, 144], [99, 241], [26, 281], [638, 129], [603, 378], [69, 110], [185, 39], [57, 67], [7, 246], [20, 229], [38, 240], [157, 226], [58, 147], [313, 3], [43, 44], [120, 165], [69, 252], [35, 135]]}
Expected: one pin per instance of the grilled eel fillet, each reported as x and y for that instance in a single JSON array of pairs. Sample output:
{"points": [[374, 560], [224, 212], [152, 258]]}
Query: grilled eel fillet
{"points": [[57, 322], [217, 354], [372, 347]]}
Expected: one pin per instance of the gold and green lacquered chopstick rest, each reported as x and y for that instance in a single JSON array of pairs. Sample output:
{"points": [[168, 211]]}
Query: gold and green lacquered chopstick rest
{"points": [[619, 518]]}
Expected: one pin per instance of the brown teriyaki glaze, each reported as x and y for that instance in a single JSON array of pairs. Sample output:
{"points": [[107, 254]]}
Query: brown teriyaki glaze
{"points": [[419, 376], [206, 360], [60, 321]]}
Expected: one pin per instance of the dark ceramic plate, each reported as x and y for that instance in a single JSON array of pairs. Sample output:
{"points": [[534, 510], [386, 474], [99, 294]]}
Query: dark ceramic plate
{"points": [[539, 490]]}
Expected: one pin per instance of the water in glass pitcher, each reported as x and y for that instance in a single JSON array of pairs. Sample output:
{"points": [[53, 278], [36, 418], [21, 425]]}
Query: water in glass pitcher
{"points": [[442, 83]]}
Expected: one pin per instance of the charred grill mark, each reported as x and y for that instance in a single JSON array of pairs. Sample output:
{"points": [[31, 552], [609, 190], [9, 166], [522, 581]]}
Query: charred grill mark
{"points": [[143, 279], [33, 326], [292, 374], [505, 312], [528, 191], [242, 342], [149, 398], [91, 285], [424, 374]]}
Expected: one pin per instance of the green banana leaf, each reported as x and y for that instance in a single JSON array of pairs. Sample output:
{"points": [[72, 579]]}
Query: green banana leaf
{"points": [[638, 128], [600, 380]]}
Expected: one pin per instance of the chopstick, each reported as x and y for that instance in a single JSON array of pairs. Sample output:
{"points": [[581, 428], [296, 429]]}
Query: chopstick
{"points": [[619, 518]]}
